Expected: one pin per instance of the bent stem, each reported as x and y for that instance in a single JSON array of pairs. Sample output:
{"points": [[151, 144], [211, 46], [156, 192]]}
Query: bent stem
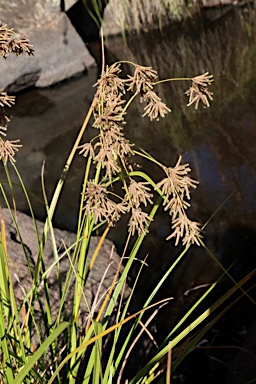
{"points": [[64, 173], [173, 79]]}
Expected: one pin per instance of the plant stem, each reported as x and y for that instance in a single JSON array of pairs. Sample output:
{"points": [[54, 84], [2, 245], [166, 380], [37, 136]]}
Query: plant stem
{"points": [[173, 79], [64, 173]]}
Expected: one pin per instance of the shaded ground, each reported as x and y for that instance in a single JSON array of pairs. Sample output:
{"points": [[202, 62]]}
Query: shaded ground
{"points": [[242, 368]]}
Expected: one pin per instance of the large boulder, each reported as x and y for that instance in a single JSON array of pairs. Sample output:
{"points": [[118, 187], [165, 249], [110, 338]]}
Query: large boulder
{"points": [[59, 51]]}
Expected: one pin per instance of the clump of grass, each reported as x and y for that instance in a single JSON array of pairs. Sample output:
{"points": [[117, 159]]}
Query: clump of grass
{"points": [[85, 352]]}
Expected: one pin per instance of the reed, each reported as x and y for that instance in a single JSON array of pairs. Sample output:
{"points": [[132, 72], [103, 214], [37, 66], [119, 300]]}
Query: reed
{"points": [[97, 349]]}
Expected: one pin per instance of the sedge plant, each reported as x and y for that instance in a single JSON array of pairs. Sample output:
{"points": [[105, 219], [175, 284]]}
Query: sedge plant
{"points": [[57, 348]]}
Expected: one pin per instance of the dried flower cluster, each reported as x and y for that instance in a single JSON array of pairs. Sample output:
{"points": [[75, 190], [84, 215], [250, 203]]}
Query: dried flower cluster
{"points": [[7, 148], [100, 206], [111, 153], [142, 82], [10, 41], [112, 149], [199, 91], [8, 101], [176, 191]]}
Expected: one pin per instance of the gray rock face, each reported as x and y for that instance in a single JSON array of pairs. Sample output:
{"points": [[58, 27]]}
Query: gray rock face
{"points": [[98, 282], [69, 3], [59, 51]]}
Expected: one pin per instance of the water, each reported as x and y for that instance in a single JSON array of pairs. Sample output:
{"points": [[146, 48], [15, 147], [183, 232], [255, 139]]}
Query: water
{"points": [[219, 143]]}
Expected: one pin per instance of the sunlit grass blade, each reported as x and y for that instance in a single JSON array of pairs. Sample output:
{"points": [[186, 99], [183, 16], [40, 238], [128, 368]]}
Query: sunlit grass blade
{"points": [[6, 364], [4, 274], [97, 371], [89, 360], [80, 283]]}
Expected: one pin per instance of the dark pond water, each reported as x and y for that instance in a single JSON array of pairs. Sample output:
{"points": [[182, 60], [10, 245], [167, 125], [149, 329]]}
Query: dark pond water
{"points": [[219, 143]]}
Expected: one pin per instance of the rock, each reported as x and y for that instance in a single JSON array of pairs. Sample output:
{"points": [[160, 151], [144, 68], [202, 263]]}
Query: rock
{"points": [[69, 4], [59, 51], [66, 53], [113, 20], [106, 262], [218, 3]]}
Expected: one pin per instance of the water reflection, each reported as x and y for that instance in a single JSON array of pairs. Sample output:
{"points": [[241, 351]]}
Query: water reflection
{"points": [[218, 142]]}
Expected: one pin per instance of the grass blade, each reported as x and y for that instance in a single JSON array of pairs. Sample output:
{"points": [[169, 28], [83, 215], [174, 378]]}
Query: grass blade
{"points": [[41, 350]]}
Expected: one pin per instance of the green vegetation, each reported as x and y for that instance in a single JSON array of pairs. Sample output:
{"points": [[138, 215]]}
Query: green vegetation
{"points": [[56, 349]]}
